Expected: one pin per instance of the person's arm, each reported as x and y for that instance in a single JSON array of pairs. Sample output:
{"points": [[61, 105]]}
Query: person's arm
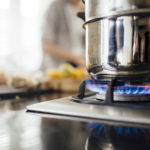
{"points": [[49, 38], [61, 54]]}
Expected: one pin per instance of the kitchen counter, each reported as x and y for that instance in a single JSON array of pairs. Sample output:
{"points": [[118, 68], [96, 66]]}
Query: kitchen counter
{"points": [[24, 131]]}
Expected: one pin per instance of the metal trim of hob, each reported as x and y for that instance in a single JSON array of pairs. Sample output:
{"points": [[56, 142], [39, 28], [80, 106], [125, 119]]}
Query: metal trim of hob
{"points": [[65, 108]]}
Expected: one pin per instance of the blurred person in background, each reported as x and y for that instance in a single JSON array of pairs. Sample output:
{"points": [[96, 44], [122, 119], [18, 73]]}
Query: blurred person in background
{"points": [[63, 35]]}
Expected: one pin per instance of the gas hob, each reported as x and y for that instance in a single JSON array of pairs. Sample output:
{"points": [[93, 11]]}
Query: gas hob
{"points": [[123, 103], [68, 109]]}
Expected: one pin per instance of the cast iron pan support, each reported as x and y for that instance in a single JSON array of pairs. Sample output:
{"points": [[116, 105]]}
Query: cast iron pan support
{"points": [[81, 91], [109, 99]]}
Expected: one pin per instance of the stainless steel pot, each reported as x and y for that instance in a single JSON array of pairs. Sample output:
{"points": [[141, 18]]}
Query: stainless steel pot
{"points": [[102, 8], [118, 38]]}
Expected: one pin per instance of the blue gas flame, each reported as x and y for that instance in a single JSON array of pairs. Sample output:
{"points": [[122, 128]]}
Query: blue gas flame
{"points": [[129, 131], [98, 129], [122, 89]]}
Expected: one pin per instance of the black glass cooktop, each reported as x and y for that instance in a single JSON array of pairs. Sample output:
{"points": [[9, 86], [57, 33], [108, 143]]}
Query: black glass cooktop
{"points": [[20, 130]]}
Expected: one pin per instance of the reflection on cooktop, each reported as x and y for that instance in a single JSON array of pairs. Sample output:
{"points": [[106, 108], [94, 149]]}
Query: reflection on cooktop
{"points": [[104, 137], [63, 135], [71, 135]]}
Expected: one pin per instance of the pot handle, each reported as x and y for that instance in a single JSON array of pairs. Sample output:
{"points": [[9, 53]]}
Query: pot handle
{"points": [[81, 15]]}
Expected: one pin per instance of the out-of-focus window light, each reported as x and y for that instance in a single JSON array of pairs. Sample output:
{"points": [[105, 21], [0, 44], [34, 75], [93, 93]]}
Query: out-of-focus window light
{"points": [[29, 8], [4, 4], [30, 138], [4, 36], [4, 27], [4, 140]]}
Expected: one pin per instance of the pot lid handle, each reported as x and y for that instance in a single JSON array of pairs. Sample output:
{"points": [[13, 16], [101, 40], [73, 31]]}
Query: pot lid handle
{"points": [[81, 15]]}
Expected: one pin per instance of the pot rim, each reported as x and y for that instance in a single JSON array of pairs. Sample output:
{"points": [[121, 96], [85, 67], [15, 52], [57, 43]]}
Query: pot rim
{"points": [[115, 14]]}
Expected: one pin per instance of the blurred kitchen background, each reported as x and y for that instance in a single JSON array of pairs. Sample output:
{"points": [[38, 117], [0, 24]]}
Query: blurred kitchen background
{"points": [[20, 34], [20, 55], [21, 37]]}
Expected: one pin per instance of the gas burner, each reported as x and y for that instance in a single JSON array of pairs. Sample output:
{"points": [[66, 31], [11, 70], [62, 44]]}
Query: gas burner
{"points": [[121, 91], [125, 97], [114, 93], [126, 92]]}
